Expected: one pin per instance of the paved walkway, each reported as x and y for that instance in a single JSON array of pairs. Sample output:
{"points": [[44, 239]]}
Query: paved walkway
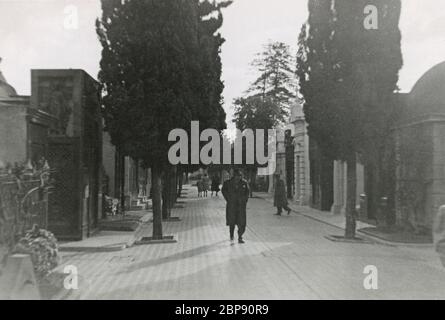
{"points": [[284, 257], [339, 221], [336, 220]]}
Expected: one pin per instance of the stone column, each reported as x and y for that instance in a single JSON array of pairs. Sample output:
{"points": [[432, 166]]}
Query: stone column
{"points": [[306, 170], [360, 188], [339, 187], [437, 185], [345, 187], [398, 205]]}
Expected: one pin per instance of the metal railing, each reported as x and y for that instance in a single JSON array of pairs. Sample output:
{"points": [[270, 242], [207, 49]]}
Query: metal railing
{"points": [[23, 202]]}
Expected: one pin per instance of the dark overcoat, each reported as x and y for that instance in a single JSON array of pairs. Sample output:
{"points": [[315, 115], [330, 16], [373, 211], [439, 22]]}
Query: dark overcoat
{"points": [[236, 195], [215, 184], [280, 198]]}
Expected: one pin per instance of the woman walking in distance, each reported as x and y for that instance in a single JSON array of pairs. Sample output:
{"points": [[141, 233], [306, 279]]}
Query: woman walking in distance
{"points": [[199, 186], [280, 199]]}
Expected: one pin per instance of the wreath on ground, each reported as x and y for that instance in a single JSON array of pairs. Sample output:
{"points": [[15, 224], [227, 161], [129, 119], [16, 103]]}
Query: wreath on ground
{"points": [[42, 246]]}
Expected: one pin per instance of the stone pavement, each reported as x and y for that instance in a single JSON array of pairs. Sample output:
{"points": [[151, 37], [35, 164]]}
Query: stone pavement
{"points": [[339, 221], [111, 240], [284, 257], [325, 217]]}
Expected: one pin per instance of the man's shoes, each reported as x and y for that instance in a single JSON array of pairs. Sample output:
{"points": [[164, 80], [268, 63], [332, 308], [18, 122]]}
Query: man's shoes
{"points": [[277, 214], [241, 241]]}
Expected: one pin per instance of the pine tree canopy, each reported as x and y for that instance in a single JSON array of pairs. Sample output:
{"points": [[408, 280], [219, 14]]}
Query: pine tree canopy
{"points": [[276, 80]]}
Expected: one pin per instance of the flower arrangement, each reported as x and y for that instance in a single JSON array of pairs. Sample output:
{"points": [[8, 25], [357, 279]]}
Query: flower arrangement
{"points": [[41, 245], [111, 206]]}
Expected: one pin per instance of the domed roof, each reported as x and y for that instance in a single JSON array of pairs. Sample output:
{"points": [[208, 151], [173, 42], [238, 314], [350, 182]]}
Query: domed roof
{"points": [[428, 94], [6, 90]]}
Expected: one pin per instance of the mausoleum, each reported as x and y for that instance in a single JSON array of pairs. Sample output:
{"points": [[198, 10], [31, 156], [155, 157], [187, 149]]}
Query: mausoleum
{"points": [[420, 149]]}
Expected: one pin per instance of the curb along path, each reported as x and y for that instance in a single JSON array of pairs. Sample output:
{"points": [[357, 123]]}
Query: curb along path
{"points": [[283, 258]]}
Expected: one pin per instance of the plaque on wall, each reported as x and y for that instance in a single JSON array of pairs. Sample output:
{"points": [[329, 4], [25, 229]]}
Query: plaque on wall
{"points": [[56, 98]]}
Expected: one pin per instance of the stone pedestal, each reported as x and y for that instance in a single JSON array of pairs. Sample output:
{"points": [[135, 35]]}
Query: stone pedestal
{"points": [[17, 279], [339, 188]]}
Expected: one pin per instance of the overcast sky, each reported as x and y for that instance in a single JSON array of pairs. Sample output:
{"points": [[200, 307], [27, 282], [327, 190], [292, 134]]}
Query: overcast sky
{"points": [[32, 36]]}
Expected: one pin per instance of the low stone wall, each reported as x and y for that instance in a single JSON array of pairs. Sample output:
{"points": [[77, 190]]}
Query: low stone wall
{"points": [[420, 172]]}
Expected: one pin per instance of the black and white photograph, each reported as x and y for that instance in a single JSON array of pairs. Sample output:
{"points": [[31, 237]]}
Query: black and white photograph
{"points": [[222, 155]]}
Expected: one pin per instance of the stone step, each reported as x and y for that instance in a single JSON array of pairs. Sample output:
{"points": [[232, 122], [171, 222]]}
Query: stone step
{"points": [[17, 279], [137, 208]]}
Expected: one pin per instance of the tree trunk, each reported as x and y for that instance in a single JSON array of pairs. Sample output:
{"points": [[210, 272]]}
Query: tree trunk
{"points": [[173, 186], [186, 175], [172, 190], [168, 191], [180, 182], [165, 195], [178, 173], [351, 194], [122, 183], [157, 210]]}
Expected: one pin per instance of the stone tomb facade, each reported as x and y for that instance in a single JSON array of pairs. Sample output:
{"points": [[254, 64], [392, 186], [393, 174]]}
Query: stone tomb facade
{"points": [[60, 122], [298, 149], [292, 158], [74, 149], [420, 150], [23, 130], [420, 162]]}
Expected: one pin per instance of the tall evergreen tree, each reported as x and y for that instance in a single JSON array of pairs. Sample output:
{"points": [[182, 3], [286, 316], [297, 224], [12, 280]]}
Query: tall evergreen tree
{"points": [[381, 60], [146, 79], [211, 113], [207, 84], [316, 71], [160, 69], [369, 70], [347, 75]]}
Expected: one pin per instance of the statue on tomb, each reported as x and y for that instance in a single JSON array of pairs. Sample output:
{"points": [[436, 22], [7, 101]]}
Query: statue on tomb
{"points": [[59, 105]]}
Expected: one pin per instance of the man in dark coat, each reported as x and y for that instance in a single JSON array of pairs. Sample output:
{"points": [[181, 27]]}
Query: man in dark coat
{"points": [[236, 194], [280, 198], [215, 184]]}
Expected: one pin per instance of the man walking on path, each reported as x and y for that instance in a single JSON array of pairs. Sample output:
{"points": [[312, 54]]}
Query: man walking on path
{"points": [[199, 186], [236, 193], [280, 198], [215, 184]]}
